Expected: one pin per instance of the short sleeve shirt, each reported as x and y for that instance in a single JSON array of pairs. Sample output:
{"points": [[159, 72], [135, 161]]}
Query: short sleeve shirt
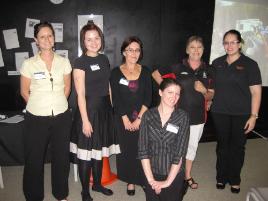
{"points": [[46, 91], [97, 74], [232, 82], [191, 100]]}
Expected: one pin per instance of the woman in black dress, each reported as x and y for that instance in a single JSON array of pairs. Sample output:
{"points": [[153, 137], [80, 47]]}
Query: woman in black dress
{"points": [[131, 93], [93, 128]]}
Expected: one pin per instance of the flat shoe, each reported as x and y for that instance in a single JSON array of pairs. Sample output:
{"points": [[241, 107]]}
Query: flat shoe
{"points": [[235, 190], [220, 186]]}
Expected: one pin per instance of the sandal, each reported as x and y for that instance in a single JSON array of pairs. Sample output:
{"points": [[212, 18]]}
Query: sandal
{"points": [[191, 183]]}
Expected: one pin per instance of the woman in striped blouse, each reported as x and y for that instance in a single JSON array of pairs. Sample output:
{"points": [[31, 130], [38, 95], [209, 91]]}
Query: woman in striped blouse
{"points": [[163, 141]]}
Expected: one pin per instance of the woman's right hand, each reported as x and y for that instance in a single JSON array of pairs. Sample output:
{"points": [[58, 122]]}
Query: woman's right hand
{"points": [[87, 128], [127, 124]]}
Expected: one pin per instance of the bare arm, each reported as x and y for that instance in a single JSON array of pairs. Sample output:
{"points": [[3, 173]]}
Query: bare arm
{"points": [[67, 84], [146, 166], [255, 91], [79, 82], [157, 76], [25, 87]]}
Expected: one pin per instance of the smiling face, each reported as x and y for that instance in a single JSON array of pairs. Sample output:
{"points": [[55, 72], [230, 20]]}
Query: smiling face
{"points": [[231, 44], [132, 53], [92, 42], [170, 95], [45, 39], [195, 50]]}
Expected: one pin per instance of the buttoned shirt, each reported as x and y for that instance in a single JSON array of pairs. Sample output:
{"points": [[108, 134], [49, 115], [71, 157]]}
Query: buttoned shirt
{"points": [[47, 88], [166, 145]]}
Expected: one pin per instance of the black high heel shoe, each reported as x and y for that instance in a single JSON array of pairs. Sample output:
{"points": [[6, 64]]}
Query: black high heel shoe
{"points": [[130, 192], [235, 190], [220, 186]]}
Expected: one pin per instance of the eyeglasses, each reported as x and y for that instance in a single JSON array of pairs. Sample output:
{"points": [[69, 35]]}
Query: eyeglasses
{"points": [[232, 43], [133, 51]]}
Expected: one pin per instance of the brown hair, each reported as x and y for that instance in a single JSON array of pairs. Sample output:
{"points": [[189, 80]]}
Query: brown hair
{"points": [[89, 27]]}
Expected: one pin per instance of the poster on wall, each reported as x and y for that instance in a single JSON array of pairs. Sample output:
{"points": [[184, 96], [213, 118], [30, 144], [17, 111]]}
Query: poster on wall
{"points": [[11, 38], [19, 59], [29, 29], [58, 28], [82, 20]]}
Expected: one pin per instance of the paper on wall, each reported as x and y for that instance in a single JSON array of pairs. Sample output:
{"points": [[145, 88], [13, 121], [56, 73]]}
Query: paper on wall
{"points": [[29, 29], [63, 53], [58, 28], [34, 48], [20, 57], [11, 38]]}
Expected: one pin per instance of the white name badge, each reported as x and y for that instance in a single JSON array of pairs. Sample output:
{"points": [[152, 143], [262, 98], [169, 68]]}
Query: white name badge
{"points": [[123, 81], [39, 75], [95, 67], [172, 128]]}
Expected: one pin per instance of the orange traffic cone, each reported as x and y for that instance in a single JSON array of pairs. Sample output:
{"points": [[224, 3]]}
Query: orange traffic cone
{"points": [[107, 176]]}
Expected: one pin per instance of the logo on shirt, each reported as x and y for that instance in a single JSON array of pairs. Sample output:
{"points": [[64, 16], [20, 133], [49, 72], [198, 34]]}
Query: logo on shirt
{"points": [[205, 75], [240, 67], [184, 73]]}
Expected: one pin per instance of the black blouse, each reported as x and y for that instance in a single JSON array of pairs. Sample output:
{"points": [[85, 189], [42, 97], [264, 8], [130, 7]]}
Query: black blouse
{"points": [[165, 145], [129, 95]]}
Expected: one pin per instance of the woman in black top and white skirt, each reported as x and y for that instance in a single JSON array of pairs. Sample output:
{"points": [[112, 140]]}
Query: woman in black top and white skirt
{"points": [[163, 142], [93, 133]]}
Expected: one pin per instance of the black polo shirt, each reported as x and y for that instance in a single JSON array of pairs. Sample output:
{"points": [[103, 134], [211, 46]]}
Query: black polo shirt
{"points": [[191, 100], [232, 93]]}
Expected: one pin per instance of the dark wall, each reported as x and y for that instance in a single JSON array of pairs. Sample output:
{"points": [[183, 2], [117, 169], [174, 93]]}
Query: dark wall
{"points": [[162, 25]]}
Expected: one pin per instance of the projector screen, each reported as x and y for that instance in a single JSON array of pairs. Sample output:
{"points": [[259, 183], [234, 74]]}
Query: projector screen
{"points": [[250, 17]]}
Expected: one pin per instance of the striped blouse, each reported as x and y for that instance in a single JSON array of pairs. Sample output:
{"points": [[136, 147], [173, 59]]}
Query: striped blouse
{"points": [[165, 145]]}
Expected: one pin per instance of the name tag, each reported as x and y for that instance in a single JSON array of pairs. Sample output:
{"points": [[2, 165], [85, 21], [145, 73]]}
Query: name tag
{"points": [[39, 75], [123, 81], [95, 67], [172, 128]]}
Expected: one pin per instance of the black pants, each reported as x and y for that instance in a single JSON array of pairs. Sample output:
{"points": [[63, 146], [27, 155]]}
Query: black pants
{"points": [[172, 193], [231, 141], [38, 133]]}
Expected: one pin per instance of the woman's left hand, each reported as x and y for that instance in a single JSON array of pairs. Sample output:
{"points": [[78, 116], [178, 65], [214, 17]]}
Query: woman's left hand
{"points": [[250, 124], [200, 87], [136, 124], [159, 185]]}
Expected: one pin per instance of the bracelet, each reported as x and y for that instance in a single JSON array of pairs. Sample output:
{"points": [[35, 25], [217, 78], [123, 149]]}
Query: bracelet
{"points": [[256, 116]]}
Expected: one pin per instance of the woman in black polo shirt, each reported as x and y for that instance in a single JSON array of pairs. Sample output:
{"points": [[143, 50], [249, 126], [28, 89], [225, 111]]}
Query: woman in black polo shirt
{"points": [[235, 108], [162, 147], [196, 80]]}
